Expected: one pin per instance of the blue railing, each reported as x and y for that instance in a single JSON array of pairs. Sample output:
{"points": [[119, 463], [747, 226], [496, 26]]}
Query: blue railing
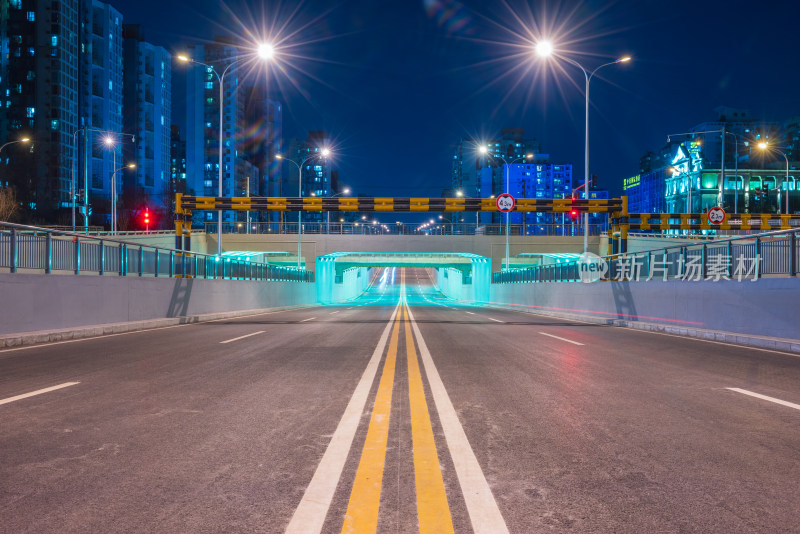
{"points": [[744, 257], [34, 249]]}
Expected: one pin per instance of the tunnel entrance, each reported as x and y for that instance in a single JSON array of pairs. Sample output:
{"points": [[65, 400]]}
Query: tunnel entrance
{"points": [[345, 275]]}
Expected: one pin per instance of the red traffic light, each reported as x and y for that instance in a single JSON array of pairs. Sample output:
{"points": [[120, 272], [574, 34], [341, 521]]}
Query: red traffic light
{"points": [[146, 217]]}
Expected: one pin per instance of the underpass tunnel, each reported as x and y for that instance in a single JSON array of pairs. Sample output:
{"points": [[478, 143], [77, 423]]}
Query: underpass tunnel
{"points": [[344, 276]]}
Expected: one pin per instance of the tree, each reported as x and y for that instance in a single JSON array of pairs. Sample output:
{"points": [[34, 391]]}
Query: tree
{"points": [[8, 204]]}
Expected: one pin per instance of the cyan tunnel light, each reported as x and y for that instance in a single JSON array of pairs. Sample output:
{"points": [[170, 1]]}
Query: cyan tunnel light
{"points": [[337, 281]]}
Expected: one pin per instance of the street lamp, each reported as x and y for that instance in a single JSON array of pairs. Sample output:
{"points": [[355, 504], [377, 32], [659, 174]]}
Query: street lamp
{"points": [[265, 51], [323, 153], [460, 193], [86, 130], [545, 49], [23, 140], [114, 195], [345, 191], [764, 146], [485, 151]]}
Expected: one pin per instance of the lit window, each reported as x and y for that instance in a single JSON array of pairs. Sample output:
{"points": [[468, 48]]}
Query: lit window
{"points": [[54, 124], [31, 51], [53, 40], [30, 112], [110, 85], [31, 16], [209, 85]]}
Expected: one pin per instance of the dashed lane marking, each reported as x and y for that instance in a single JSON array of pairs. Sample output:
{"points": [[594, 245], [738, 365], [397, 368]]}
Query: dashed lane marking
{"points": [[561, 338], [766, 398], [37, 392], [242, 337]]}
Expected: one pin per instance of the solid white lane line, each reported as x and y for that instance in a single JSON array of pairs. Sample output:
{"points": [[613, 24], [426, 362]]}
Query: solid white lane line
{"points": [[337, 311], [764, 397], [310, 514], [242, 337], [309, 319], [470, 313], [37, 392], [483, 512], [561, 338], [495, 320]]}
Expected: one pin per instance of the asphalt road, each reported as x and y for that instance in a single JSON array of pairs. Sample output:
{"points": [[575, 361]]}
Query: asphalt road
{"points": [[399, 412]]}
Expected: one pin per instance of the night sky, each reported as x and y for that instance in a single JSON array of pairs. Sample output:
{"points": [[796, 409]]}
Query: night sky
{"points": [[397, 83]]}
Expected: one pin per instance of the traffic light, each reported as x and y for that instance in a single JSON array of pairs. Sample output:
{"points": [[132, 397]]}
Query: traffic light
{"points": [[146, 217], [594, 181], [573, 214]]}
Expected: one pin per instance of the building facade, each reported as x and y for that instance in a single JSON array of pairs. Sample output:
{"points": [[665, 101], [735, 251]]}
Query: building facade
{"points": [[718, 163], [536, 179], [61, 83], [148, 115]]}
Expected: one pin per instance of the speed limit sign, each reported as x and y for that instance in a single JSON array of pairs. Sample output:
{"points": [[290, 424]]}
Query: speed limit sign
{"points": [[716, 215], [505, 203]]}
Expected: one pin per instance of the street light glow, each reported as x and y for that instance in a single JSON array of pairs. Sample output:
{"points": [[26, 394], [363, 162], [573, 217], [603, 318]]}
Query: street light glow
{"points": [[265, 51], [325, 152], [24, 140], [183, 58], [346, 191], [762, 145], [459, 193], [624, 59], [131, 165], [544, 48], [108, 141]]}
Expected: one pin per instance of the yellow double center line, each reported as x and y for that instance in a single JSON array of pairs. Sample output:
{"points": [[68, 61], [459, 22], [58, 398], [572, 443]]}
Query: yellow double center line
{"points": [[433, 511]]}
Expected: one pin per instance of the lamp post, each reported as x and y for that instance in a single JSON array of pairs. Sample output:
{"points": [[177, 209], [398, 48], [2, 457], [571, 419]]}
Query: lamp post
{"points": [[324, 153], [765, 146], [460, 193], [86, 130], [345, 191], [485, 150], [114, 195], [23, 140], [545, 49], [265, 51]]}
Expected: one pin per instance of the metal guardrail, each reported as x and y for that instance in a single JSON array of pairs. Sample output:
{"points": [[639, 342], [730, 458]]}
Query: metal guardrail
{"points": [[383, 229], [746, 257], [30, 248]]}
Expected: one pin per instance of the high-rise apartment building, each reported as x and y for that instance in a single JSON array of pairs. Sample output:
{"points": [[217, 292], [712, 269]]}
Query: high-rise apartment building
{"points": [[61, 85], [148, 115], [101, 106], [536, 178], [316, 174], [177, 150], [203, 125], [468, 162]]}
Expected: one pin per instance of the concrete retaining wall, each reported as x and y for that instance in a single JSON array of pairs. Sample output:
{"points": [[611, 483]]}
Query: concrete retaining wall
{"points": [[765, 312], [30, 302]]}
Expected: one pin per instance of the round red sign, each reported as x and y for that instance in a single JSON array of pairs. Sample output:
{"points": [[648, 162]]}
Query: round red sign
{"points": [[716, 216], [505, 202]]}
